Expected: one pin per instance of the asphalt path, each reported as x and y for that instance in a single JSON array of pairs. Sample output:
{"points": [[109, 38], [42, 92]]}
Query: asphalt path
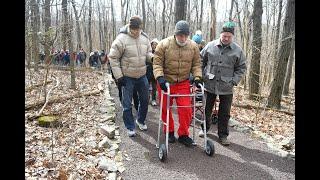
{"points": [[245, 158]]}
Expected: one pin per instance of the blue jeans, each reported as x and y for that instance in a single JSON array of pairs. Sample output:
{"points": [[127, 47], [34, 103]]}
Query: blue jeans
{"points": [[142, 86]]}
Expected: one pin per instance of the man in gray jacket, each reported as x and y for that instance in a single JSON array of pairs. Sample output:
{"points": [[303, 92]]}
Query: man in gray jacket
{"points": [[128, 55], [224, 65]]}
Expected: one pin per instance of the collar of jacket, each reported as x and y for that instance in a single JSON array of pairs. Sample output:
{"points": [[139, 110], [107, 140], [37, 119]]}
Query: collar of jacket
{"points": [[125, 30], [231, 45]]}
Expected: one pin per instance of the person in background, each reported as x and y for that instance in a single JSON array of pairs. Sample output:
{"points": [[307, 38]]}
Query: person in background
{"points": [[150, 75]]}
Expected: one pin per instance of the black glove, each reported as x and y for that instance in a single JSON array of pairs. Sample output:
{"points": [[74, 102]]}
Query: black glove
{"points": [[162, 83], [197, 81], [121, 81], [233, 83]]}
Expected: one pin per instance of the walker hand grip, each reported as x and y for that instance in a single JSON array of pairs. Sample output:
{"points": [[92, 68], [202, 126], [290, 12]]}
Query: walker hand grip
{"points": [[167, 85]]}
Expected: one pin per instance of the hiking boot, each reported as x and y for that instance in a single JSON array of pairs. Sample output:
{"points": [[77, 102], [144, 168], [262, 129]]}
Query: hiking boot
{"points": [[224, 141], [131, 133], [186, 140], [153, 103], [172, 138], [142, 127]]}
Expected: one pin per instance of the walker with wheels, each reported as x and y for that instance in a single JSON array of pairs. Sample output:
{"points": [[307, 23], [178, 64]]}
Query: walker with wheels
{"points": [[163, 148]]}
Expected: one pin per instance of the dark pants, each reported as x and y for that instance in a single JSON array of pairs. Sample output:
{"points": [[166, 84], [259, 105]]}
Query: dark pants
{"points": [[223, 112]]}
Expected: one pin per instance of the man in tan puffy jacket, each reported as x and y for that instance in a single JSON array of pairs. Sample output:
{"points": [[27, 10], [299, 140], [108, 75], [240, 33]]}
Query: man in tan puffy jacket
{"points": [[128, 55], [174, 59]]}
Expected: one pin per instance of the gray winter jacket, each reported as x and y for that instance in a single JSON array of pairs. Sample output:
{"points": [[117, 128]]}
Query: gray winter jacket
{"points": [[223, 67], [128, 55]]}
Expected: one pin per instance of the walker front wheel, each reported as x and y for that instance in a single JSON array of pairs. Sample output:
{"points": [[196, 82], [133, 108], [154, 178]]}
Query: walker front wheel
{"points": [[162, 152], [209, 148]]}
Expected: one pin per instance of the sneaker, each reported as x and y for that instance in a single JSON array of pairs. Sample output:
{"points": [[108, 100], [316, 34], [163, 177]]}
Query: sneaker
{"points": [[142, 127], [224, 141], [172, 138], [131, 133], [153, 103], [184, 139]]}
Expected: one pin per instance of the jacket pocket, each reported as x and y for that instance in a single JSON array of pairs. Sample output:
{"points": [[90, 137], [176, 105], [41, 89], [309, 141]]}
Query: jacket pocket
{"points": [[225, 84]]}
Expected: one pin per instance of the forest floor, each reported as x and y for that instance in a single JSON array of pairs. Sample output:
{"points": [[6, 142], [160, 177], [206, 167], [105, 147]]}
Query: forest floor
{"points": [[68, 150]]}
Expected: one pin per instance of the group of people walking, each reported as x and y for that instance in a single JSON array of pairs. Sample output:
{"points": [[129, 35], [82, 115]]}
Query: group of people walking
{"points": [[139, 65]]}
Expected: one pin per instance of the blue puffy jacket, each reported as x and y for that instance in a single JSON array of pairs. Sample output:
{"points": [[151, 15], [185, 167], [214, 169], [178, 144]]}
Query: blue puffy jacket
{"points": [[197, 38]]}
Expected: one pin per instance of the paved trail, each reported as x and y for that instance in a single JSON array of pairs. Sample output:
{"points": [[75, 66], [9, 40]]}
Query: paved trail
{"points": [[245, 158]]}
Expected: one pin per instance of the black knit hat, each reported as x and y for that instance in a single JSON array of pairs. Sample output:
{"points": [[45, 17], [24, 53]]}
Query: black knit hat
{"points": [[182, 27], [135, 22], [228, 27]]}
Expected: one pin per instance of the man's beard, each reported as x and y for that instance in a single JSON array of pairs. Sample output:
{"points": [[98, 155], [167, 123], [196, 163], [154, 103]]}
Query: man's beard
{"points": [[180, 43]]}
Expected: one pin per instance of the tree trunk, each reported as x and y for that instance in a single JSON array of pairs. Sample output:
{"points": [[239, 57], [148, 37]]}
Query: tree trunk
{"points": [[123, 3], [113, 22], [188, 10], [35, 28], [77, 25], [67, 34], [155, 10], [246, 36], [144, 19], [180, 10], [100, 27], [254, 74], [170, 18], [289, 70], [240, 26], [164, 20], [126, 16], [270, 72], [85, 33], [284, 51], [230, 14], [276, 40], [201, 12], [89, 27], [47, 24], [213, 21]]}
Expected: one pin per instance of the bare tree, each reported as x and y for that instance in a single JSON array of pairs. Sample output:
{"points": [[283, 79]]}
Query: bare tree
{"points": [[77, 22], [123, 3], [35, 29], [47, 24], [101, 34], [289, 69], [163, 19], [180, 10], [254, 75], [113, 21], [89, 26], [274, 99], [213, 20], [201, 13], [68, 36], [276, 40], [240, 26], [231, 9], [143, 15]]}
